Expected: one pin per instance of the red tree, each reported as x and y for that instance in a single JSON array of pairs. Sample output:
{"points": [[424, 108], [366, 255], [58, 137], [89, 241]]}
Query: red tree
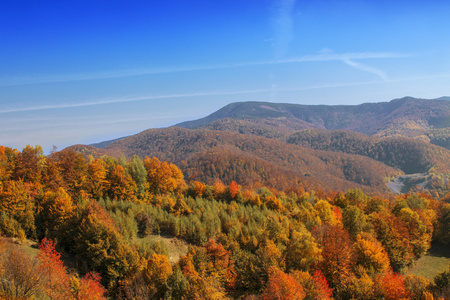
{"points": [[282, 286], [323, 290], [391, 286], [234, 189], [57, 283]]}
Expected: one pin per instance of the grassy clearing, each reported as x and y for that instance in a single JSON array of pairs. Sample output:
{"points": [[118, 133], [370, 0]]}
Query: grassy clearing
{"points": [[436, 261], [28, 246], [175, 247]]}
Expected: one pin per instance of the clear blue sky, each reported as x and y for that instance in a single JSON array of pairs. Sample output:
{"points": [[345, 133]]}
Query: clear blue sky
{"points": [[87, 71]]}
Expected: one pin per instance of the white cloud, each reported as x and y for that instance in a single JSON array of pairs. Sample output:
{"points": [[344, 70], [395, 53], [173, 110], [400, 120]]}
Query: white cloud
{"points": [[366, 68], [283, 26]]}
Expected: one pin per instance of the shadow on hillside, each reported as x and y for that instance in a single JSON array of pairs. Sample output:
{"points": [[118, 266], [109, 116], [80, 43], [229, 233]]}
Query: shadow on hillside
{"points": [[439, 250]]}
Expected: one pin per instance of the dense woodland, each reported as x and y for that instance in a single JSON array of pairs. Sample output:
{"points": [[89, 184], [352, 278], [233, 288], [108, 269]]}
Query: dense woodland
{"points": [[244, 243], [312, 158], [205, 155]]}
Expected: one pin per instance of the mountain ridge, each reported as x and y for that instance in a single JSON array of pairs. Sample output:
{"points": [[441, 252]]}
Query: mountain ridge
{"points": [[368, 118]]}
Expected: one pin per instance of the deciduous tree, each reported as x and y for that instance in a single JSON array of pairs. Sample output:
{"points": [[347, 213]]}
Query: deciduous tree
{"points": [[121, 185], [302, 251], [371, 254], [163, 177], [337, 252], [390, 286], [282, 286]]}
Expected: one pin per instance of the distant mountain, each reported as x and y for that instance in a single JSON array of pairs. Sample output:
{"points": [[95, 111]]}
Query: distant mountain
{"points": [[407, 117], [289, 145], [444, 98]]}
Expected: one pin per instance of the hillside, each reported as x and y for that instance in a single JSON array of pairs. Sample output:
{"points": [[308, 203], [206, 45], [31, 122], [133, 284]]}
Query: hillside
{"points": [[409, 155], [251, 160]]}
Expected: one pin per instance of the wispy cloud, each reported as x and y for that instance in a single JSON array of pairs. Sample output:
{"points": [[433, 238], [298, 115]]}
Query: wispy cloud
{"points": [[120, 100], [366, 68], [15, 81], [270, 90], [283, 26]]}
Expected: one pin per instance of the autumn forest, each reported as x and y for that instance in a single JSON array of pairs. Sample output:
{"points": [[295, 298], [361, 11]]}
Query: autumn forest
{"points": [[89, 221]]}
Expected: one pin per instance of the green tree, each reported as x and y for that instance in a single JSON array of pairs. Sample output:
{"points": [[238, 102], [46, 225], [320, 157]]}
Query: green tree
{"points": [[354, 220], [420, 239], [138, 172], [91, 236]]}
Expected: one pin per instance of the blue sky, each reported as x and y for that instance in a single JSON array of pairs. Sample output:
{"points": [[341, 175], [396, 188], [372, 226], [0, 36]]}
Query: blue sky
{"points": [[86, 71]]}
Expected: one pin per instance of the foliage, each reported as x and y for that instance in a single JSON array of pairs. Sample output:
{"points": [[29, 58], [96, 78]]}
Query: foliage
{"points": [[104, 216], [282, 286], [371, 254], [302, 251]]}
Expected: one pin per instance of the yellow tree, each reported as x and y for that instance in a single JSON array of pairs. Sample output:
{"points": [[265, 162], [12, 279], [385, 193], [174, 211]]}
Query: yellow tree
{"points": [[324, 210], [55, 209], [163, 177], [371, 254], [97, 183], [16, 203], [156, 273], [122, 186], [8, 159], [315, 287]]}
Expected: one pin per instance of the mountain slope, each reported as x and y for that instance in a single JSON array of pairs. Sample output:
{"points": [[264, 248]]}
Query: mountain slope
{"points": [[409, 155], [251, 160]]}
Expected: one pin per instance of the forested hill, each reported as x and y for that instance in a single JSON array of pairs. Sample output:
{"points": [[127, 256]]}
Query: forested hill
{"points": [[286, 145], [206, 155], [407, 116], [409, 155]]}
